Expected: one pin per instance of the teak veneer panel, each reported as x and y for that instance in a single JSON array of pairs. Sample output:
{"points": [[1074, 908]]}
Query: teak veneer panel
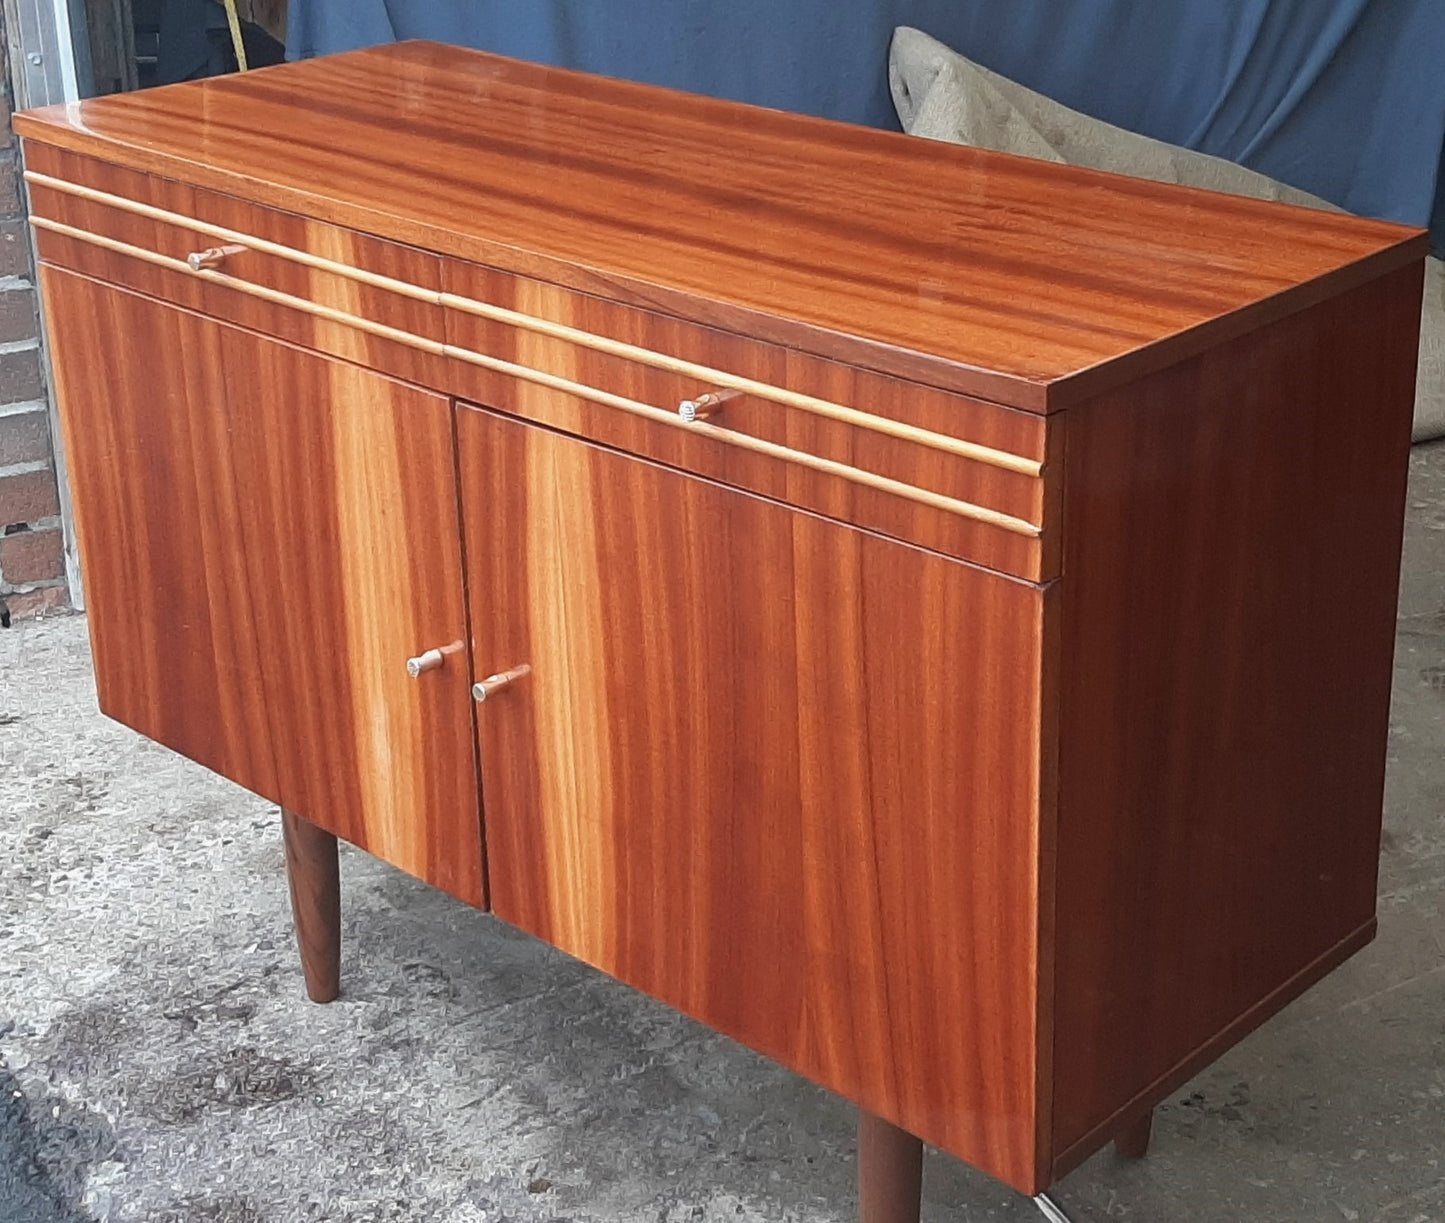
{"points": [[1022, 281], [748, 775], [350, 503], [267, 542], [258, 267], [171, 607], [1228, 623]]}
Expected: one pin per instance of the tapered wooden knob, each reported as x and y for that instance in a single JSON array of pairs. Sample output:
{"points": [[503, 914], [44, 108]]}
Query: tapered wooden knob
{"points": [[212, 257], [499, 682], [430, 660]]}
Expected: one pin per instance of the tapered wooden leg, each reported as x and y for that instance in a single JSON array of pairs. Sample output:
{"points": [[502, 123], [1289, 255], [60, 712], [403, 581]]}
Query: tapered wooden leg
{"points": [[890, 1172], [315, 877], [1133, 1142]]}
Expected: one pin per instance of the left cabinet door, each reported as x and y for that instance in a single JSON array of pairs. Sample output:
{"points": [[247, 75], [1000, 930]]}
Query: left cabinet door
{"points": [[267, 537]]}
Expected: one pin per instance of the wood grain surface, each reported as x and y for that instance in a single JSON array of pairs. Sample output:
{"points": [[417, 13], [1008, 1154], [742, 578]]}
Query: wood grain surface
{"points": [[1231, 565], [1020, 433], [350, 497], [1022, 281], [753, 774], [257, 267], [268, 536], [171, 605], [313, 876]]}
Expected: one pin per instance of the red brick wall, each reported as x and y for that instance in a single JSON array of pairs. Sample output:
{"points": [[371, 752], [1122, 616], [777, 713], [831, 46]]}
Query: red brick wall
{"points": [[32, 554]]}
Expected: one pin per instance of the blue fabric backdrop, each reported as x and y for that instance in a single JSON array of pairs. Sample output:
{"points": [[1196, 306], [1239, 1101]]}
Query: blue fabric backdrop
{"points": [[1345, 98]]}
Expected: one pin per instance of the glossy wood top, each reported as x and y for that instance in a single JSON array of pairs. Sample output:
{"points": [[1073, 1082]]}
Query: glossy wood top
{"points": [[1020, 281]]}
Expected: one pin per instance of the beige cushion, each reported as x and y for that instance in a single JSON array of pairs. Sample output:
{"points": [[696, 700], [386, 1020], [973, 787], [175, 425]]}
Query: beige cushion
{"points": [[943, 96]]}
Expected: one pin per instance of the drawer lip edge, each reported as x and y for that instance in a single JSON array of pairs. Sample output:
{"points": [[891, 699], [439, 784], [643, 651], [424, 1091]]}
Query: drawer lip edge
{"points": [[1041, 583]]}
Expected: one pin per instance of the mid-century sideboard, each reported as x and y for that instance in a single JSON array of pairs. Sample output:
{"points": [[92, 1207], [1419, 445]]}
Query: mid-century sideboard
{"points": [[926, 614]]}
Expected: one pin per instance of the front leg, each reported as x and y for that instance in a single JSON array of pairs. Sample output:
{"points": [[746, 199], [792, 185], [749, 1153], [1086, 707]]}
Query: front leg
{"points": [[1132, 1142], [314, 874], [890, 1172]]}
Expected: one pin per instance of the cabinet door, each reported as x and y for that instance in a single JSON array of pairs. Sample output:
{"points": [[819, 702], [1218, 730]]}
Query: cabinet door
{"points": [[776, 771], [346, 496], [142, 396], [267, 536]]}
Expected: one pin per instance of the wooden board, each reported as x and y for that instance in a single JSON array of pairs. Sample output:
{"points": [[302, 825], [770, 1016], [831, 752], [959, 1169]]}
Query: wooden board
{"points": [[171, 605], [1022, 281], [268, 535], [1228, 624], [778, 772], [349, 501]]}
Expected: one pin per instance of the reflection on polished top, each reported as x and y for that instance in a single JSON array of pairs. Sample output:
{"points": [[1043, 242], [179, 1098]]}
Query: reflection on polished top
{"points": [[1020, 281]]}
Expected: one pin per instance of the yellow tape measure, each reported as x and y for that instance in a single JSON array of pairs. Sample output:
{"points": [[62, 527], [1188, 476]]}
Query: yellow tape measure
{"points": [[237, 43]]}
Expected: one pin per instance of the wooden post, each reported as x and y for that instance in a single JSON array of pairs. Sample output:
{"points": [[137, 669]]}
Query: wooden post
{"points": [[1132, 1142], [314, 873], [890, 1172]]}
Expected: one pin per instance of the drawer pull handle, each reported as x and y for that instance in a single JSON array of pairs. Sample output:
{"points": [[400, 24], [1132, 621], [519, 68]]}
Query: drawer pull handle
{"points": [[430, 660], [502, 680], [212, 256], [705, 406]]}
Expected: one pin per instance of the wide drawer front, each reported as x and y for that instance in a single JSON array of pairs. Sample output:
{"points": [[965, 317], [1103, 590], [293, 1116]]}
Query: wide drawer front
{"points": [[255, 263], [953, 474], [958, 475]]}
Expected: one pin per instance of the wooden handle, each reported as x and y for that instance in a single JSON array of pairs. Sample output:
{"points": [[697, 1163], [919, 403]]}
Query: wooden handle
{"points": [[212, 257], [499, 682]]}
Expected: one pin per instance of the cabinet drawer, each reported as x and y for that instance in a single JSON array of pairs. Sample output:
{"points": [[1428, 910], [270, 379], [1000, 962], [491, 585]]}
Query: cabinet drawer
{"points": [[138, 231], [954, 474]]}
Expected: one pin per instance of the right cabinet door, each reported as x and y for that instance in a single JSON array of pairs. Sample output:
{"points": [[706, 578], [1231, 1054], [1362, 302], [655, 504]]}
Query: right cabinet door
{"points": [[778, 772], [269, 535]]}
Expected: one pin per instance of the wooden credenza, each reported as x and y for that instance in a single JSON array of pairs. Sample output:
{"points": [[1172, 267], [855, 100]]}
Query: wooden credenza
{"points": [[926, 614]]}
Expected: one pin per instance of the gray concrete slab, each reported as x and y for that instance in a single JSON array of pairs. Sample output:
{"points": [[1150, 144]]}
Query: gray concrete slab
{"points": [[158, 1060]]}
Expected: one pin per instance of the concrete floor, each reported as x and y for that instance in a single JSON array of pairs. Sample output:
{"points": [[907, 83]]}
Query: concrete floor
{"points": [[158, 1060]]}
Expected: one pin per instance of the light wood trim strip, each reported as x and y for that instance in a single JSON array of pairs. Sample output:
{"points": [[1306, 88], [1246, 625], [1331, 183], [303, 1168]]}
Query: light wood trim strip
{"points": [[408, 338], [585, 339], [306, 258], [855, 475], [964, 509], [749, 386]]}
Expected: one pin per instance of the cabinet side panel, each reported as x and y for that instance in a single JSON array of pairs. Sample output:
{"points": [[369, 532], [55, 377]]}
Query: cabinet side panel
{"points": [[142, 395], [1230, 571], [776, 771]]}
